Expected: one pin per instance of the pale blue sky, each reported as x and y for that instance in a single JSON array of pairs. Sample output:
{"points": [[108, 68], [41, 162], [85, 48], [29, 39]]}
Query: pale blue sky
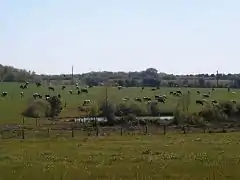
{"points": [[173, 36]]}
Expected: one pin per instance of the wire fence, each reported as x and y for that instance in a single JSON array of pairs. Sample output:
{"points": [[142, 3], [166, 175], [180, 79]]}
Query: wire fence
{"points": [[72, 130]]}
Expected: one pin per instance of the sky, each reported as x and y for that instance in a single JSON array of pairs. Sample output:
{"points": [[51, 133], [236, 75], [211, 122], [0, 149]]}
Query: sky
{"points": [[173, 36]]}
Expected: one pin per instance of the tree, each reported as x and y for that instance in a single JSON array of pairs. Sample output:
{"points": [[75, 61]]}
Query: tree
{"points": [[56, 106]]}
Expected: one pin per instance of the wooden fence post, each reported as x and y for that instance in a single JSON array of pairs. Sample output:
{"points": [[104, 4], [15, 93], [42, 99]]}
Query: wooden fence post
{"points": [[23, 133], [121, 131], [23, 120], [48, 132], [164, 129], [146, 129], [72, 132]]}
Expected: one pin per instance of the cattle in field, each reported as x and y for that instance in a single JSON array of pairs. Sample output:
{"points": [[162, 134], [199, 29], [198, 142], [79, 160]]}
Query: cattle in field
{"points": [[125, 99], [206, 96], [198, 92], [63, 87], [47, 96], [59, 96], [147, 99], [214, 102], [78, 92], [138, 99], [37, 95], [86, 102], [70, 91], [51, 88], [161, 100], [4, 94], [84, 90], [38, 84], [120, 87], [199, 102], [21, 94], [233, 101]]}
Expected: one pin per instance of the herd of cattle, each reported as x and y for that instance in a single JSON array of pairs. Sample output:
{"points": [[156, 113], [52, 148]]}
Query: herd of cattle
{"points": [[157, 98]]}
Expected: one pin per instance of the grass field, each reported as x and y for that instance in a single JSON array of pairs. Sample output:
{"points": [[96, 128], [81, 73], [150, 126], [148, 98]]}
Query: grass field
{"points": [[174, 156], [12, 106]]}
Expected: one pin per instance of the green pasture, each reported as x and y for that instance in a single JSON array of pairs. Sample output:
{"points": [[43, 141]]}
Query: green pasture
{"points": [[12, 105], [173, 156]]}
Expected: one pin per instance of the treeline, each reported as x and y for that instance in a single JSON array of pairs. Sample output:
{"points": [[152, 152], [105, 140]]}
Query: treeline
{"points": [[147, 78]]}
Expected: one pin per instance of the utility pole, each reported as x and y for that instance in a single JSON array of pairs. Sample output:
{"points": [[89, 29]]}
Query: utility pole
{"points": [[217, 79], [72, 75]]}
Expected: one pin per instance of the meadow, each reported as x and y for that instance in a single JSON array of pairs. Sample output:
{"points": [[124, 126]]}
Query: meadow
{"points": [[173, 156], [12, 106]]}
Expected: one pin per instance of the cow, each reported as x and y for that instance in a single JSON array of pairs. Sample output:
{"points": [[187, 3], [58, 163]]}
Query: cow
{"points": [[70, 91], [47, 96], [161, 100], [214, 102], [63, 87], [138, 99], [120, 87], [233, 101], [146, 99], [51, 88], [78, 92], [59, 95], [125, 99], [38, 84], [36, 95], [21, 94], [199, 102], [4, 94], [84, 90], [198, 92], [86, 102], [206, 96]]}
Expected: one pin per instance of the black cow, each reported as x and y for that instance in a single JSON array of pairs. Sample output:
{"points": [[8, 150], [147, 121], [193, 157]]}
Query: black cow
{"points": [[199, 102], [51, 88]]}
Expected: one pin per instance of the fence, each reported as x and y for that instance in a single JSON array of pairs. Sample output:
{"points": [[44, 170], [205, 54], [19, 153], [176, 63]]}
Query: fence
{"points": [[78, 130]]}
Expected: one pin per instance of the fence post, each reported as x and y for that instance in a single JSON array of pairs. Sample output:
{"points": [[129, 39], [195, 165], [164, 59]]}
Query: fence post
{"points": [[48, 132], [72, 132], [146, 129], [164, 129], [36, 121], [23, 120], [23, 133], [121, 131]]}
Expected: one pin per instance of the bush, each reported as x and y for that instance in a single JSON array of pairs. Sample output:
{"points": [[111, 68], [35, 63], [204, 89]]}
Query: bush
{"points": [[37, 108]]}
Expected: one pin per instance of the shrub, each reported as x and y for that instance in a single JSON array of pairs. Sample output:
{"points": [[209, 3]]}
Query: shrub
{"points": [[37, 108]]}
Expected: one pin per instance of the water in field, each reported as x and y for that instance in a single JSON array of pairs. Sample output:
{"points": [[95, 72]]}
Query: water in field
{"points": [[139, 118]]}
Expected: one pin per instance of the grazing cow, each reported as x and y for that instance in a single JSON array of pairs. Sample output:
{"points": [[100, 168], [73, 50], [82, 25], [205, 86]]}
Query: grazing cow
{"points": [[63, 87], [233, 101], [84, 90], [138, 99], [213, 89], [38, 84], [51, 88], [142, 88], [36, 95], [199, 102], [171, 93], [78, 92], [179, 92], [125, 99], [21, 94], [214, 102], [47, 96], [59, 95], [86, 102], [119, 87], [4, 94], [153, 89], [70, 91], [233, 93], [146, 99], [206, 96], [161, 100], [198, 92], [157, 96], [23, 86]]}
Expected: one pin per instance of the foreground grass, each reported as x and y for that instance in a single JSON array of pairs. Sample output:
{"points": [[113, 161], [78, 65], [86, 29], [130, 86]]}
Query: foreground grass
{"points": [[195, 156]]}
